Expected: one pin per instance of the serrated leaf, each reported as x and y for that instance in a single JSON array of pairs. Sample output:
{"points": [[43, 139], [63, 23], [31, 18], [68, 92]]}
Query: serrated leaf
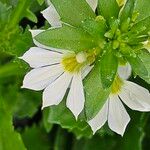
{"points": [[108, 9], [15, 41], [95, 95], [8, 137], [139, 64], [108, 69], [66, 37], [67, 120], [27, 104], [36, 139], [73, 12]]}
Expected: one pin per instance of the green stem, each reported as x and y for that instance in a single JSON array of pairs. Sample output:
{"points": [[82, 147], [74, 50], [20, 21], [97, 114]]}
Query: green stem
{"points": [[60, 140]]}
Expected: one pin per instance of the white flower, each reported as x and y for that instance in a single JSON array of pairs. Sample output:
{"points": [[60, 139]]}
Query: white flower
{"points": [[53, 74], [113, 111], [56, 70]]}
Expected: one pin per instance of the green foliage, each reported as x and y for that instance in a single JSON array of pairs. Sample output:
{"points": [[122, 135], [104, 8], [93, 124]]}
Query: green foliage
{"points": [[8, 137], [108, 69], [66, 37], [73, 11], [95, 95], [67, 120], [117, 33], [111, 5], [139, 67], [35, 138]]}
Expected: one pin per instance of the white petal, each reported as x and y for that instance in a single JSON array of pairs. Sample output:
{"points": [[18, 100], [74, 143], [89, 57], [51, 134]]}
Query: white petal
{"points": [[38, 79], [75, 100], [55, 92], [93, 4], [52, 16], [38, 57], [125, 71], [99, 120], [86, 71], [36, 32], [135, 96], [118, 117]]}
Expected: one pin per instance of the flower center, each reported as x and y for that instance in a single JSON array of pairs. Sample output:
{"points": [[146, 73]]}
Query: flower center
{"points": [[117, 85], [74, 62]]}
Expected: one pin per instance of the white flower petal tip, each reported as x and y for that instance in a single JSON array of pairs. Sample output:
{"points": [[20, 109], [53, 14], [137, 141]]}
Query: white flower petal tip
{"points": [[35, 32], [55, 92], [39, 78], [100, 119], [51, 15], [38, 57], [135, 96], [93, 4], [75, 99], [125, 71], [118, 117], [22, 87]]}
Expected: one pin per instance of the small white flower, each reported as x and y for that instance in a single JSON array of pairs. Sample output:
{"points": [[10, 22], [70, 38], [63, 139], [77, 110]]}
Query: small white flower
{"points": [[55, 73], [113, 111]]}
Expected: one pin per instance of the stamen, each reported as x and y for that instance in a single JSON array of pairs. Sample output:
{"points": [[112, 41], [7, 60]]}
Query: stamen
{"points": [[117, 85]]}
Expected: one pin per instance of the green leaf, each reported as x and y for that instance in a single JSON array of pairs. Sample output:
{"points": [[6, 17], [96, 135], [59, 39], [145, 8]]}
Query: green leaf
{"points": [[68, 121], [95, 95], [145, 58], [66, 37], [134, 131], [108, 68], [96, 143], [40, 1], [142, 8], [5, 12], [139, 64], [27, 104], [8, 137], [35, 138], [95, 28], [73, 12], [141, 27], [108, 9], [127, 10], [31, 16], [15, 41], [47, 125]]}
